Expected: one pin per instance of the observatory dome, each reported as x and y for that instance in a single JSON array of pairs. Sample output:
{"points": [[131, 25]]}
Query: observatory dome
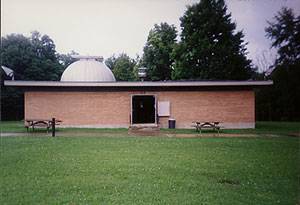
{"points": [[87, 69]]}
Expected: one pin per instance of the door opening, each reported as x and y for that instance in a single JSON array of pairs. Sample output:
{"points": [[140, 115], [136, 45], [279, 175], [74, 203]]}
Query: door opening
{"points": [[143, 109]]}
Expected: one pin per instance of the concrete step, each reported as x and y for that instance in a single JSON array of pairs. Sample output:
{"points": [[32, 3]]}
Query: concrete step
{"points": [[144, 133], [144, 127]]}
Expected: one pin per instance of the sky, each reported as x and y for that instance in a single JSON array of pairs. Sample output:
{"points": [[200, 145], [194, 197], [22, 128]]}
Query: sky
{"points": [[107, 27]]}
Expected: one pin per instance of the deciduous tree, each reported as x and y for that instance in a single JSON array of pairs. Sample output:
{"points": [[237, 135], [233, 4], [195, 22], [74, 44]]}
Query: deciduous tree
{"points": [[157, 52], [31, 58], [122, 67], [66, 59]]}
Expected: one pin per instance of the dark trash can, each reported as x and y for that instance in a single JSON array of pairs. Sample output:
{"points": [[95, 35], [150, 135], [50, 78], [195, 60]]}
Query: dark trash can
{"points": [[172, 123]]}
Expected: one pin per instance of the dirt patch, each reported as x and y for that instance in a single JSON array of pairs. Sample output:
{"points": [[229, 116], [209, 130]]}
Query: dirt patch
{"points": [[281, 135], [228, 182]]}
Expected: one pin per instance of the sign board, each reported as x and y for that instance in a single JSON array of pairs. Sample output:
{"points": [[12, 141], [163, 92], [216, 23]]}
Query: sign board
{"points": [[163, 109]]}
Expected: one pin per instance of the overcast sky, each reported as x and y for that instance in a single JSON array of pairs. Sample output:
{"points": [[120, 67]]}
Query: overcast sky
{"points": [[107, 27]]}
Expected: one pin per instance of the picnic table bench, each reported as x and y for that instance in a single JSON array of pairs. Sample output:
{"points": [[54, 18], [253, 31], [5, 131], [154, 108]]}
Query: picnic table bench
{"points": [[207, 125], [47, 123]]}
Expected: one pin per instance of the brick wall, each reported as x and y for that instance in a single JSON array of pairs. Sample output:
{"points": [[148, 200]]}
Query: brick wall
{"points": [[113, 108]]}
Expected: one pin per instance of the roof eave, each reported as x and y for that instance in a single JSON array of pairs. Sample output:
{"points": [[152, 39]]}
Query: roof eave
{"points": [[17, 83]]}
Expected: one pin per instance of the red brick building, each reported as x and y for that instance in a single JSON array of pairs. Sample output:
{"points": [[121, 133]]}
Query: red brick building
{"points": [[106, 103]]}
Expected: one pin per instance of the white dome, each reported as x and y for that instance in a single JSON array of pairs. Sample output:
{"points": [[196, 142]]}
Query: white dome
{"points": [[87, 69]]}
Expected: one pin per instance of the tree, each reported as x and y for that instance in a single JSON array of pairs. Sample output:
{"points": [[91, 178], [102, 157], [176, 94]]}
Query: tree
{"points": [[122, 67], [209, 47], [283, 99], [111, 61], [284, 32], [33, 58], [12, 101], [66, 59], [265, 61], [157, 52]]}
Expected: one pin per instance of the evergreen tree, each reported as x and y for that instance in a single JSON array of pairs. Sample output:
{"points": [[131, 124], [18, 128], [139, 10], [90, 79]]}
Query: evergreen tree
{"points": [[284, 97], [160, 44], [209, 47], [284, 32]]}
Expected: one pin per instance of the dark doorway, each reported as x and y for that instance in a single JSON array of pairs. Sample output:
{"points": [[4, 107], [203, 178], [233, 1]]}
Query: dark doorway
{"points": [[143, 109]]}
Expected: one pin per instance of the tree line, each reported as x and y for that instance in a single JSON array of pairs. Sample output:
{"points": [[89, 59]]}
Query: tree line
{"points": [[282, 100], [208, 47], [31, 58]]}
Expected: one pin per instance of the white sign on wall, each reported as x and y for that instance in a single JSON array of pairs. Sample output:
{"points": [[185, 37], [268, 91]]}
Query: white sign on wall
{"points": [[163, 109]]}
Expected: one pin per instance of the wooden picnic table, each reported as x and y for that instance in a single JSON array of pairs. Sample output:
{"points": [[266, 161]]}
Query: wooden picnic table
{"points": [[207, 125], [40, 123]]}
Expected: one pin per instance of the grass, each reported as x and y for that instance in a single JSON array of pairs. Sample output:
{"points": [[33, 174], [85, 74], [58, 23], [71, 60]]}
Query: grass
{"points": [[18, 127], [261, 128], [149, 170], [268, 128]]}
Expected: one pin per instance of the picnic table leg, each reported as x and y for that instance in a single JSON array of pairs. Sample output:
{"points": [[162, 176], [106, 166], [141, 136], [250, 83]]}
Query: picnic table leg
{"points": [[53, 127]]}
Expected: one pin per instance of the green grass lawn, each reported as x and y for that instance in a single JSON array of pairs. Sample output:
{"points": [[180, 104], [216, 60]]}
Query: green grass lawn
{"points": [[261, 128], [149, 170], [18, 127]]}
